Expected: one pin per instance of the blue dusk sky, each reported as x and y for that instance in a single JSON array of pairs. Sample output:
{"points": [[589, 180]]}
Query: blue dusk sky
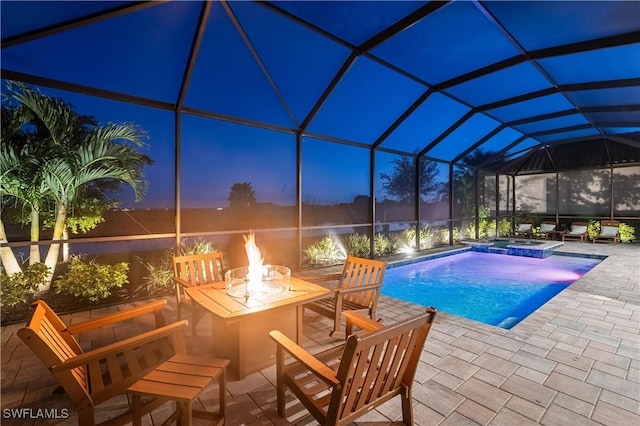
{"points": [[261, 74]]}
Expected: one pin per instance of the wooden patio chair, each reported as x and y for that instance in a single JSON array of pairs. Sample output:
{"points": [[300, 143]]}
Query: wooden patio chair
{"points": [[357, 289], [547, 229], [609, 231], [90, 378], [578, 231], [341, 384], [194, 270], [525, 229]]}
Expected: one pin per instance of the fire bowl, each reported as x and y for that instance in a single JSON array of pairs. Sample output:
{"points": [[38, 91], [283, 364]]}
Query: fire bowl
{"points": [[271, 279]]}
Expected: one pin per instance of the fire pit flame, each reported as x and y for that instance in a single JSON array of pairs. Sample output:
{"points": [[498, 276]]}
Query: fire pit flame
{"points": [[255, 263], [256, 278]]}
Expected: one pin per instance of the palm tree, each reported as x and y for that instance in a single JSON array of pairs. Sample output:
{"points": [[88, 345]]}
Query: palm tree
{"points": [[11, 185], [17, 170], [55, 155]]}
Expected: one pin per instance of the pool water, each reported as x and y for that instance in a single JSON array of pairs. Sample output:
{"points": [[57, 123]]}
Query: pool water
{"points": [[491, 288]]}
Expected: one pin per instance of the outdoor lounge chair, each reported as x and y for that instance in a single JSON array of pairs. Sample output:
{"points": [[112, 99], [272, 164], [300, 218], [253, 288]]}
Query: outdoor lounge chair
{"points": [[358, 289], [547, 229], [90, 378], [525, 229], [578, 231], [344, 383], [193, 270], [609, 231]]}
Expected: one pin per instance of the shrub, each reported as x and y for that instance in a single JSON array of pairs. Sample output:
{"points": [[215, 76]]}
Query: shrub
{"points": [[486, 227], [92, 280], [627, 233], [504, 228], [406, 240], [19, 288], [456, 236], [382, 245], [409, 239], [470, 231], [323, 252], [427, 238], [397, 243], [444, 235], [593, 229], [160, 275], [358, 245], [198, 247]]}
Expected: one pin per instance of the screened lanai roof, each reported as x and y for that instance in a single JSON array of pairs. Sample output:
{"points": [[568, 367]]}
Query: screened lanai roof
{"points": [[532, 82]]}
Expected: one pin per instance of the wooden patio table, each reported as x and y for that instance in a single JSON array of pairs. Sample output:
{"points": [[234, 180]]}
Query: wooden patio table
{"points": [[241, 326]]}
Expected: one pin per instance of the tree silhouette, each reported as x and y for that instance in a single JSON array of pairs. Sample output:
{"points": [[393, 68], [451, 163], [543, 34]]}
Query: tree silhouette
{"points": [[241, 196], [400, 184], [464, 182], [478, 157], [463, 194]]}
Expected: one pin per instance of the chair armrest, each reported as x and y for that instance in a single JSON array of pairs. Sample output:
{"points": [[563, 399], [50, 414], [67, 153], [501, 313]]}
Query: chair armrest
{"points": [[120, 346], [154, 307], [362, 322], [316, 366], [183, 283], [359, 288]]}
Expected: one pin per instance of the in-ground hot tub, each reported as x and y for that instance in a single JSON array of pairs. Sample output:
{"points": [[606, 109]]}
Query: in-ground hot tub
{"points": [[515, 247]]}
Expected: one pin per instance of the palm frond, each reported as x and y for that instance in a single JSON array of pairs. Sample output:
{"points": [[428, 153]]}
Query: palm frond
{"points": [[66, 151], [114, 132], [13, 120], [54, 114], [9, 160]]}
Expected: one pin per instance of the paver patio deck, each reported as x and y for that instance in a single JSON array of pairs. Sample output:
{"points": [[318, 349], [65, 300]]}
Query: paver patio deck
{"points": [[575, 361]]}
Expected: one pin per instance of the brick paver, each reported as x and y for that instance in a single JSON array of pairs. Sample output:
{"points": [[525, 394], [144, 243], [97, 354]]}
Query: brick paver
{"points": [[574, 361]]}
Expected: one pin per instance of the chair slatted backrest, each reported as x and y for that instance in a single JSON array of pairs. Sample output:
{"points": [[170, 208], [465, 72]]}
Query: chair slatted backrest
{"points": [[377, 366], [358, 272], [614, 223], [47, 336], [199, 269], [93, 377], [551, 225], [585, 224]]}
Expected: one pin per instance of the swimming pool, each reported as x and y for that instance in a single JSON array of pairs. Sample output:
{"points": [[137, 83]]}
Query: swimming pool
{"points": [[490, 288]]}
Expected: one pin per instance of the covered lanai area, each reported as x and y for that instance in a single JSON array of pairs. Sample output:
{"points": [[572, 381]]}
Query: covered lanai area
{"points": [[388, 130]]}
